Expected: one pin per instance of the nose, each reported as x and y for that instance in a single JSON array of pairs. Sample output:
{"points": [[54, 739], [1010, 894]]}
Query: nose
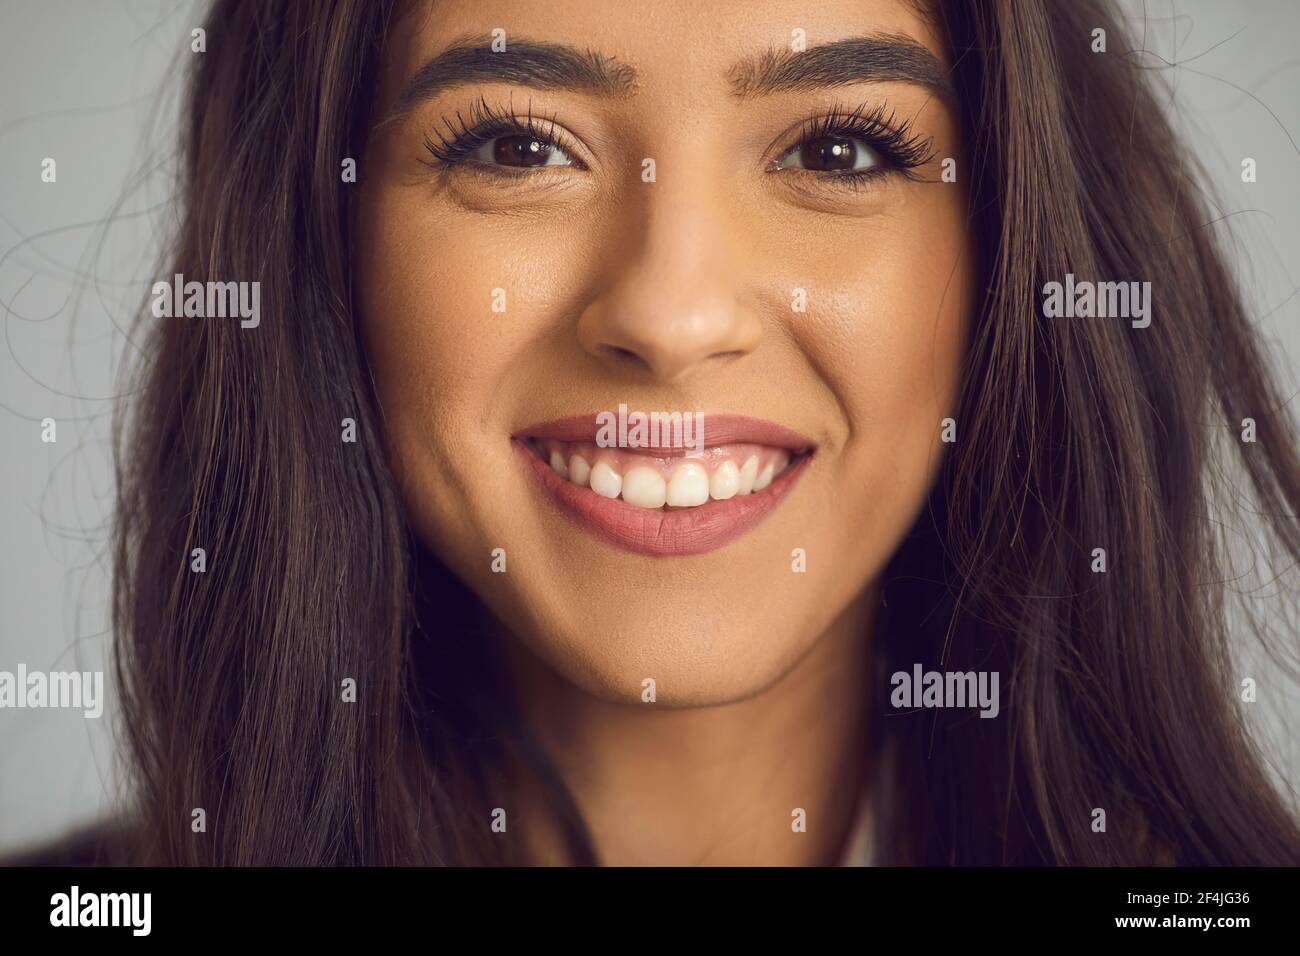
{"points": [[674, 302]]}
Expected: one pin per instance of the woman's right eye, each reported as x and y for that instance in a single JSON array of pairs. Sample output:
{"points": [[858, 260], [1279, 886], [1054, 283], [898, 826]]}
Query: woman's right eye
{"points": [[519, 151]]}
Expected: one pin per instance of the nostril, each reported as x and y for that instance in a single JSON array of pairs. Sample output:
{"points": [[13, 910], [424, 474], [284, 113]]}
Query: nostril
{"points": [[624, 355]]}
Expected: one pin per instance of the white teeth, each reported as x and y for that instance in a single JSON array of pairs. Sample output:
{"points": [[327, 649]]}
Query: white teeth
{"points": [[579, 470], [725, 481], [557, 463], [605, 481], [645, 488], [689, 486]]}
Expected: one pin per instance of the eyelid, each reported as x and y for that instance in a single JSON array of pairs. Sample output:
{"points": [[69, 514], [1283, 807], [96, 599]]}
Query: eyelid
{"points": [[459, 150], [893, 141], [457, 139]]}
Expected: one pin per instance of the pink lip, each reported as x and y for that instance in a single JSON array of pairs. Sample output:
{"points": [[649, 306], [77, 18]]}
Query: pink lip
{"points": [[718, 430], [667, 533]]}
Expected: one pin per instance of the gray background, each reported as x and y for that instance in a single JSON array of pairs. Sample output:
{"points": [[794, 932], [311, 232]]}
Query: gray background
{"points": [[93, 84]]}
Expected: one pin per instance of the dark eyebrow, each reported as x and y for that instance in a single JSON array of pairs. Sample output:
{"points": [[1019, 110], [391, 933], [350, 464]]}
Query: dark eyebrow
{"points": [[527, 62], [881, 58]]}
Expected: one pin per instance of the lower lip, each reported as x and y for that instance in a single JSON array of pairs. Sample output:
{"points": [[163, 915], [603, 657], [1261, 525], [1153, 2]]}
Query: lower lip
{"points": [[659, 533]]}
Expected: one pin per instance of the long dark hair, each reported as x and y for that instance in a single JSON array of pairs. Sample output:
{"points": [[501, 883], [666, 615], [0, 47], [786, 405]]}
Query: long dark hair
{"points": [[1120, 692]]}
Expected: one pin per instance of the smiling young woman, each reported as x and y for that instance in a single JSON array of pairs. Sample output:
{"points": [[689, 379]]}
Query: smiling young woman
{"points": [[822, 226]]}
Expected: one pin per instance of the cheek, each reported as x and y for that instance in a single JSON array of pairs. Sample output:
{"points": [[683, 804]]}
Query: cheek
{"points": [[904, 327], [454, 310], [439, 289], [888, 339]]}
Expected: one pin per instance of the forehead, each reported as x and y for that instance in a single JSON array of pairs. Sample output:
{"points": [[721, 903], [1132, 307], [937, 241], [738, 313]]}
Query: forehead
{"points": [[665, 42]]}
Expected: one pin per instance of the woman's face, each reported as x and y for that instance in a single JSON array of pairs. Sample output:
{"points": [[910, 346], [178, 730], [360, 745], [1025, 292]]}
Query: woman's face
{"points": [[734, 209]]}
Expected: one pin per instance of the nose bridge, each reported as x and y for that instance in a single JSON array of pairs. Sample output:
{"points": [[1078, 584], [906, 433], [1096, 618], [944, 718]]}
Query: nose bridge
{"points": [[674, 301]]}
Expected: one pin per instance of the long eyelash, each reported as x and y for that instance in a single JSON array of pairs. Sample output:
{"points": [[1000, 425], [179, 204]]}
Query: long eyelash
{"points": [[463, 136], [880, 129]]}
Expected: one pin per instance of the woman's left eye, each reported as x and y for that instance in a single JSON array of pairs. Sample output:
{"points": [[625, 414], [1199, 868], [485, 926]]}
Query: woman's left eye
{"points": [[831, 154], [520, 151]]}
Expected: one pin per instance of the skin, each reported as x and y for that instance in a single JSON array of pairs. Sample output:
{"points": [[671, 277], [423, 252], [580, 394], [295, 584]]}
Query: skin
{"points": [[673, 294]]}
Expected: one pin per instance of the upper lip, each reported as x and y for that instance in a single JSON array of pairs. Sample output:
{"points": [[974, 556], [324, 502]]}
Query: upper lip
{"points": [[717, 430]]}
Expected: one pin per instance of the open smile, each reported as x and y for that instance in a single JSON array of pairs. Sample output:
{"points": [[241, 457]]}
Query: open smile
{"points": [[662, 501]]}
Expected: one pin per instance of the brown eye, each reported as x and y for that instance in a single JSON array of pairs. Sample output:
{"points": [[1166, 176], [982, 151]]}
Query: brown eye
{"points": [[830, 154], [520, 151]]}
